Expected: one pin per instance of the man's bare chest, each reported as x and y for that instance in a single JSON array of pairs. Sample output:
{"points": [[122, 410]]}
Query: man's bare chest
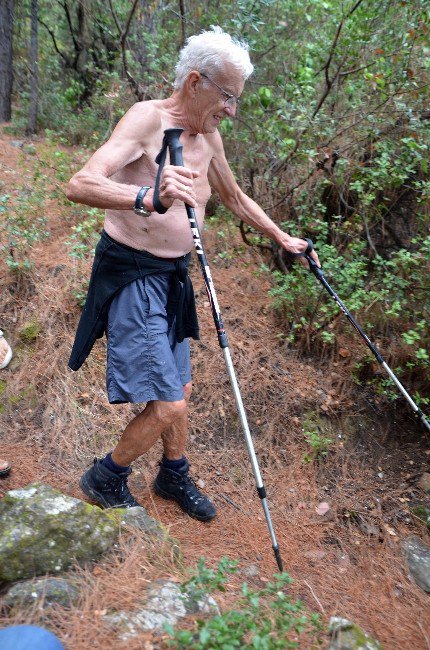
{"points": [[197, 156]]}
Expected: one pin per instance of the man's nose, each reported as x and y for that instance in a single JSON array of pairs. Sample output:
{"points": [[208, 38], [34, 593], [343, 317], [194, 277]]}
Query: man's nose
{"points": [[230, 111]]}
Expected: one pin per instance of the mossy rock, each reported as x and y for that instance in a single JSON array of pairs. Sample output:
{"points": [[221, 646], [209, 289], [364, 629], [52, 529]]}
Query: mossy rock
{"points": [[30, 331], [346, 635], [44, 532], [47, 592]]}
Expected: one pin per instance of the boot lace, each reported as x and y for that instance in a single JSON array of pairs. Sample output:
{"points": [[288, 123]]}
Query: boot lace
{"points": [[191, 490]]}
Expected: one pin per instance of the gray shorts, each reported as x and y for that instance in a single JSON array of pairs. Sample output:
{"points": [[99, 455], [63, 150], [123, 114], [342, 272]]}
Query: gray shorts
{"points": [[144, 360]]}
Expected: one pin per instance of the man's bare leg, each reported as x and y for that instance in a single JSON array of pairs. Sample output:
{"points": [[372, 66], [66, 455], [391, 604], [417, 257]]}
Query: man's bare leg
{"points": [[169, 421], [106, 481], [145, 429], [173, 480], [175, 437]]}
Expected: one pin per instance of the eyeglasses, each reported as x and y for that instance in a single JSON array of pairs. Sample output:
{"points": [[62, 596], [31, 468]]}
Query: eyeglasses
{"points": [[231, 100]]}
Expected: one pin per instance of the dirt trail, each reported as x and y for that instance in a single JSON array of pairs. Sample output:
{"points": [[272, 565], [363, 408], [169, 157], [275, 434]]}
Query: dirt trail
{"points": [[54, 422]]}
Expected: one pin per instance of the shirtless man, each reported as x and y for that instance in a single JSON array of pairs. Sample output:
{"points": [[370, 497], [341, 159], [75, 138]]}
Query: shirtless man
{"points": [[147, 360]]}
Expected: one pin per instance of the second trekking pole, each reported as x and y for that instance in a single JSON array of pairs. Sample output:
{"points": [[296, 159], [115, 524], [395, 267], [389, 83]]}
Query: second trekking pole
{"points": [[319, 274], [171, 140]]}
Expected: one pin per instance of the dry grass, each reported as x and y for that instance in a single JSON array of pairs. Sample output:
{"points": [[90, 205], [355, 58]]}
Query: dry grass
{"points": [[54, 421]]}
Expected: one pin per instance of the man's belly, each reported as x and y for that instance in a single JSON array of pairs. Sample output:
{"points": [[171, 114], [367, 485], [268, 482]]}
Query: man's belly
{"points": [[165, 235]]}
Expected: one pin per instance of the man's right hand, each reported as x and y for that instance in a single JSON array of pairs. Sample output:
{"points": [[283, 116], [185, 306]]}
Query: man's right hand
{"points": [[177, 183]]}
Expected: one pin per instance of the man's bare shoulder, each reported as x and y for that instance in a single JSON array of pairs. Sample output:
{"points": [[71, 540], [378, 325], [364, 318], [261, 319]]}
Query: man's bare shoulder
{"points": [[142, 120]]}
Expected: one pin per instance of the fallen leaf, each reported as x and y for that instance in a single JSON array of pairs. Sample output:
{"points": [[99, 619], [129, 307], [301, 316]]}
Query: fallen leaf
{"points": [[322, 508]]}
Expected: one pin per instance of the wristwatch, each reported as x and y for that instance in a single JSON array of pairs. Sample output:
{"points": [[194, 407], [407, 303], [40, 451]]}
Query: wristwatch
{"points": [[138, 204]]}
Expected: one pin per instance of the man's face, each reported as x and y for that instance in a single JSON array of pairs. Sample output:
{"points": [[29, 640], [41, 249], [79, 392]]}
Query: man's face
{"points": [[212, 102]]}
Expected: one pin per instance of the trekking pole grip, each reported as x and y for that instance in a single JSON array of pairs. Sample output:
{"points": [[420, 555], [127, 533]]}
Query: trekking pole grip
{"points": [[313, 266], [175, 148]]}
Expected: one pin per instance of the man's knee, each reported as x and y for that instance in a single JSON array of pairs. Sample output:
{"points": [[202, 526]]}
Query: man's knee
{"points": [[170, 412], [187, 390]]}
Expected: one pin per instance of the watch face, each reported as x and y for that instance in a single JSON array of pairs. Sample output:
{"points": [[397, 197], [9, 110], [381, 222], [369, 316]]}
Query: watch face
{"points": [[142, 212]]}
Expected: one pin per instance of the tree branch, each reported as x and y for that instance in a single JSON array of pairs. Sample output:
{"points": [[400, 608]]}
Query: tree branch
{"points": [[57, 49], [137, 89]]}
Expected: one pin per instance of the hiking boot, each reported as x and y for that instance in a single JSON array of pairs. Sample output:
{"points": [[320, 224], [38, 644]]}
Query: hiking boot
{"points": [[181, 487], [108, 489]]}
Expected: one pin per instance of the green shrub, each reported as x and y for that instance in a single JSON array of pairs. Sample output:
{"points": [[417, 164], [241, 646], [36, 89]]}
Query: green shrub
{"points": [[264, 619]]}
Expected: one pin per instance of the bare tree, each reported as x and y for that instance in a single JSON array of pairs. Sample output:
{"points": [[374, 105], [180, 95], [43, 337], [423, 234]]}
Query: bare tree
{"points": [[183, 22], [34, 82], [6, 74]]}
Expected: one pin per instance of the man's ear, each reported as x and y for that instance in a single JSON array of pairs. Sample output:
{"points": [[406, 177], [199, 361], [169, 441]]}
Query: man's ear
{"points": [[192, 82]]}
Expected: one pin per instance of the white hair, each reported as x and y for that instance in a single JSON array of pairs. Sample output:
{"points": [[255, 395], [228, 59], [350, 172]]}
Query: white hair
{"points": [[209, 51]]}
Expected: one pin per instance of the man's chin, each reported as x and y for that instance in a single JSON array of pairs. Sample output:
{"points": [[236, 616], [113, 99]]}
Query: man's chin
{"points": [[209, 128]]}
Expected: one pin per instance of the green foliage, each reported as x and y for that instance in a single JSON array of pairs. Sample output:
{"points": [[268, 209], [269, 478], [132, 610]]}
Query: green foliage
{"points": [[206, 581], [264, 619], [318, 443], [85, 235], [24, 219], [82, 243], [378, 294], [318, 435], [23, 224]]}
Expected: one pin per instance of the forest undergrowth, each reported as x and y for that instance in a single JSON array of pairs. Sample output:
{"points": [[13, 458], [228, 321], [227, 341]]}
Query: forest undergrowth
{"points": [[320, 437]]}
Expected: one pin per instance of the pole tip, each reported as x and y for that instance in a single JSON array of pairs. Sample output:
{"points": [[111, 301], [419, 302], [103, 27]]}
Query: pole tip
{"points": [[278, 558]]}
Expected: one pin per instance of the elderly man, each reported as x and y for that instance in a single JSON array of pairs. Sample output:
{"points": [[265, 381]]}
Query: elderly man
{"points": [[140, 268]]}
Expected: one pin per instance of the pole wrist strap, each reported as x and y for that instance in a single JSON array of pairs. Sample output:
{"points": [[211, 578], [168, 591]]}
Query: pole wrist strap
{"points": [[161, 161]]}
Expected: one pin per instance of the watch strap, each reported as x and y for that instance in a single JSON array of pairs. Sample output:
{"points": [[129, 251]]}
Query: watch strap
{"points": [[139, 208]]}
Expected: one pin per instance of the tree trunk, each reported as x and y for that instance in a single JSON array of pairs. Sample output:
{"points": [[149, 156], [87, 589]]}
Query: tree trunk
{"points": [[6, 76], [183, 23], [34, 81]]}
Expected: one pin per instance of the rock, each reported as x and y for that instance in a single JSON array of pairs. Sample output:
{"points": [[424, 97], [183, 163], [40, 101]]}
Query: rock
{"points": [[165, 604], [422, 511], [45, 591], [17, 143], [251, 571], [418, 559], [424, 482], [315, 556], [139, 518], [44, 531], [346, 635]]}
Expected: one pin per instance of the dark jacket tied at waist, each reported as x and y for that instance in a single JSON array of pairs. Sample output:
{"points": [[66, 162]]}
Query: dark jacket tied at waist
{"points": [[116, 265]]}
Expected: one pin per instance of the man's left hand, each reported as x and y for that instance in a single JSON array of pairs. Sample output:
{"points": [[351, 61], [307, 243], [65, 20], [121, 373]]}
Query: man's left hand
{"points": [[296, 245]]}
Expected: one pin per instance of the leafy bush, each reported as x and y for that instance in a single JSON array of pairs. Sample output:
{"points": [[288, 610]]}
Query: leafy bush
{"points": [[264, 619]]}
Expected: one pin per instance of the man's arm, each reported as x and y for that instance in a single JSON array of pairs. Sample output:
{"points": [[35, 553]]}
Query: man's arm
{"points": [[92, 184], [223, 182]]}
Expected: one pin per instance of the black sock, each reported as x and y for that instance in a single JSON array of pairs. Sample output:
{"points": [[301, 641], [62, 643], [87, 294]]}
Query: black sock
{"points": [[112, 465], [175, 465]]}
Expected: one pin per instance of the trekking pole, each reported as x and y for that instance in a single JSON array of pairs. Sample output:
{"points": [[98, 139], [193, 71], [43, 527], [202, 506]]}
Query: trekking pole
{"points": [[319, 274], [175, 149]]}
